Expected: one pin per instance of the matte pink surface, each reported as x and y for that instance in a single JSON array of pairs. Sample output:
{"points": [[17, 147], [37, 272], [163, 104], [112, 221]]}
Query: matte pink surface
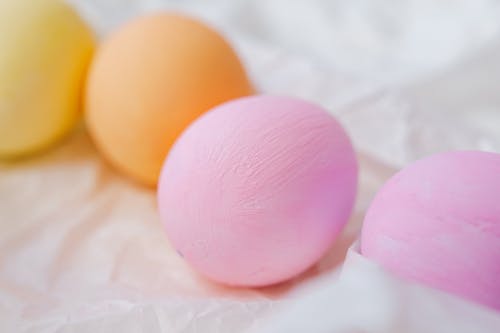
{"points": [[438, 222], [256, 190]]}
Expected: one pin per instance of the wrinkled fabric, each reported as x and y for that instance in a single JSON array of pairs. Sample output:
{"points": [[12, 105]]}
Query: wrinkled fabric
{"points": [[82, 248]]}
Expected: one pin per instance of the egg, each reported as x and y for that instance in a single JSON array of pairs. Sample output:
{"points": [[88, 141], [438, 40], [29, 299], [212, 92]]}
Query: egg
{"points": [[45, 49], [255, 191], [437, 222], [149, 81]]}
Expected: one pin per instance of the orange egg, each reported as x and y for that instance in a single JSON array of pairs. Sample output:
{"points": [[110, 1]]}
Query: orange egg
{"points": [[149, 81]]}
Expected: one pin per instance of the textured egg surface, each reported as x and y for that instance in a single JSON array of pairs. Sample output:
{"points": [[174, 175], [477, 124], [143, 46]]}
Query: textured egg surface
{"points": [[438, 222], [255, 191]]}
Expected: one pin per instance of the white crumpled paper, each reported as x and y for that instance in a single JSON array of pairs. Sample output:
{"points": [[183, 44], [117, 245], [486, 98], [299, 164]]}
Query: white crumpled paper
{"points": [[365, 298], [82, 249]]}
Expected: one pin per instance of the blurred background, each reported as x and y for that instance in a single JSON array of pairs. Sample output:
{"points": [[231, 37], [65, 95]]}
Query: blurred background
{"points": [[407, 78], [441, 55]]}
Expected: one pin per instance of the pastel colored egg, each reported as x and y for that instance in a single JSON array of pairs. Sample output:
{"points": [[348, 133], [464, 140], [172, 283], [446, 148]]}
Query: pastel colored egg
{"points": [[255, 191], [45, 48], [437, 222], [149, 81]]}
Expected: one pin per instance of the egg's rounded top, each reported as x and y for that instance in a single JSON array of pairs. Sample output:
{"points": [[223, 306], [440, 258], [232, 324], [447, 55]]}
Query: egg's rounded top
{"points": [[437, 221], [149, 80]]}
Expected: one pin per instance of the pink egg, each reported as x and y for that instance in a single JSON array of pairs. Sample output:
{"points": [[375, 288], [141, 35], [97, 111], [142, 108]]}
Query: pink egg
{"points": [[438, 222], [256, 190]]}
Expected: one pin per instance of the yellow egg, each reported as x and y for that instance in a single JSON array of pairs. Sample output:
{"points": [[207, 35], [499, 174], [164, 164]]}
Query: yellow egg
{"points": [[149, 81], [44, 51]]}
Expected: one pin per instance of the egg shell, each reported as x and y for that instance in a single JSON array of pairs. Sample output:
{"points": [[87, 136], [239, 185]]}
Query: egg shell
{"points": [[150, 79], [255, 191], [45, 48], [437, 222]]}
